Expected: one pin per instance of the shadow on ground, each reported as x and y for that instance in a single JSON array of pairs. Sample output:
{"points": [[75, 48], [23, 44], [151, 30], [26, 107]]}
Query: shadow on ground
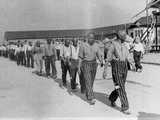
{"points": [[148, 116], [138, 83], [101, 97]]}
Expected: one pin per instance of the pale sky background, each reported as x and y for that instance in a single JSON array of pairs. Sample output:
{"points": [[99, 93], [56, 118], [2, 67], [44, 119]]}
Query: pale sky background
{"points": [[65, 14]]}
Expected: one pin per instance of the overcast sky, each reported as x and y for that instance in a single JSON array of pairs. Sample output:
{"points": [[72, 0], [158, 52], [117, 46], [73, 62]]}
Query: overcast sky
{"points": [[65, 14]]}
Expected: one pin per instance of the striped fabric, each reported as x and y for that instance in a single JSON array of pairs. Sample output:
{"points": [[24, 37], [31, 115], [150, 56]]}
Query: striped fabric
{"points": [[119, 73], [89, 69]]}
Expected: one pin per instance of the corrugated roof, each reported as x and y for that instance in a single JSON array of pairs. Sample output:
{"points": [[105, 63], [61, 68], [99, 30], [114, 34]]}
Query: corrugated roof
{"points": [[143, 21], [12, 35]]}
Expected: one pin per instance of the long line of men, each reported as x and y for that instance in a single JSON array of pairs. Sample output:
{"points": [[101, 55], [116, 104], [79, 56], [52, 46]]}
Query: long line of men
{"points": [[80, 58]]}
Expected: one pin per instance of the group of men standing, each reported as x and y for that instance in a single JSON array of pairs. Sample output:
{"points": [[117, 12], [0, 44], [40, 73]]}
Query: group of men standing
{"points": [[80, 58]]}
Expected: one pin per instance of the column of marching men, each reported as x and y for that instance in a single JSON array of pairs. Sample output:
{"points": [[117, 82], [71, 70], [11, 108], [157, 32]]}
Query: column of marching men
{"points": [[81, 58]]}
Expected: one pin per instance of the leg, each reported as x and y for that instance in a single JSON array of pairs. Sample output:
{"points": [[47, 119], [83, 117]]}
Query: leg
{"points": [[64, 73], [32, 61], [47, 66], [73, 70], [53, 65], [82, 82], [88, 80], [93, 73]]}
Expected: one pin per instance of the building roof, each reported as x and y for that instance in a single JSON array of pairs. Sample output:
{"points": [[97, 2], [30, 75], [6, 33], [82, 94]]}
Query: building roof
{"points": [[154, 4], [142, 22], [13, 35]]}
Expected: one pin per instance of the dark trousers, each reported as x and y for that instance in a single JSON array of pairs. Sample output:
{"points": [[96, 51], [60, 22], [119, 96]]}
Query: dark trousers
{"points": [[89, 69], [137, 59], [24, 59], [65, 67], [50, 63], [119, 74], [18, 58], [74, 71], [58, 54], [30, 59]]}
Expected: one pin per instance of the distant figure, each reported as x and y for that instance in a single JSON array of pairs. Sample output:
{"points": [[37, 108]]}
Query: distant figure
{"points": [[50, 59], [88, 54], [21, 54], [74, 63], [17, 53], [107, 43], [65, 54], [29, 54], [118, 57], [24, 49], [38, 53], [58, 47], [138, 53]]}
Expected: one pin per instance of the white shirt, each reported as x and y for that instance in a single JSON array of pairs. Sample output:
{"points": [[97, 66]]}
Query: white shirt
{"points": [[74, 52], [65, 51], [29, 48], [17, 49], [139, 47]]}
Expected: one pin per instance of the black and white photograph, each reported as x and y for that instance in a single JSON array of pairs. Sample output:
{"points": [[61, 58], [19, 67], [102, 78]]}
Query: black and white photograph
{"points": [[79, 59]]}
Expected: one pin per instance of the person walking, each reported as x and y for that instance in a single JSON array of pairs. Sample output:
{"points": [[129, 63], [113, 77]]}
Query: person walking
{"points": [[107, 43], [88, 54], [65, 54], [29, 54], [38, 54], [50, 59], [118, 56], [138, 53], [74, 59], [17, 53]]}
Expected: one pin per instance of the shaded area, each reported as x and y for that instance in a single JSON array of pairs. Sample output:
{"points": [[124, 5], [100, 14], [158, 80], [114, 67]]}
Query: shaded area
{"points": [[148, 116], [104, 98], [101, 97], [151, 63], [137, 83]]}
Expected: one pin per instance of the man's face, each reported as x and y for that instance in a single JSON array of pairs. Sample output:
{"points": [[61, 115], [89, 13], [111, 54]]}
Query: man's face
{"points": [[48, 41], [91, 39], [75, 42], [67, 42]]}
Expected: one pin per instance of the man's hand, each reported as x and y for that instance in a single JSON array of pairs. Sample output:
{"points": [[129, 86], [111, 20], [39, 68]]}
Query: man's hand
{"points": [[79, 70], [43, 57]]}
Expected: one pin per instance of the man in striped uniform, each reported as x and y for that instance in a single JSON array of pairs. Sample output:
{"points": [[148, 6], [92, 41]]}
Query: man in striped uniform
{"points": [[118, 55], [88, 54]]}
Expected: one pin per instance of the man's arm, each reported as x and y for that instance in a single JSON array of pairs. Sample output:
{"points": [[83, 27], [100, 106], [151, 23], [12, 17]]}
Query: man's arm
{"points": [[110, 53], [81, 56]]}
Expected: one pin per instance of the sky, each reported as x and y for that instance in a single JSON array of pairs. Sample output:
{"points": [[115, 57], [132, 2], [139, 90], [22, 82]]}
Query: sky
{"points": [[17, 15]]}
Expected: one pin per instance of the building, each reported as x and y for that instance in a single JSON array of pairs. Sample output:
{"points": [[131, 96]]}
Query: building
{"points": [[100, 33]]}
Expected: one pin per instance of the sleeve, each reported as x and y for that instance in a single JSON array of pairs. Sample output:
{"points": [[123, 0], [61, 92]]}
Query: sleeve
{"points": [[110, 53], [99, 54], [81, 52], [54, 51], [61, 52]]}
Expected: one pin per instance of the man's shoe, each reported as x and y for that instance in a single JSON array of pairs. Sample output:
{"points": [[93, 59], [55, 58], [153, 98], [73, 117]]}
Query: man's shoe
{"points": [[92, 102], [113, 104], [75, 90], [127, 112]]}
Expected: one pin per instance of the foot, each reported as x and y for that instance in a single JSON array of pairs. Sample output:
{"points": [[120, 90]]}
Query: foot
{"points": [[92, 102], [113, 104], [127, 112], [54, 77], [64, 85], [75, 90]]}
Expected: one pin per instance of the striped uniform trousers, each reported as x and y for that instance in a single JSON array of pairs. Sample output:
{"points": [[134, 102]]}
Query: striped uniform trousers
{"points": [[89, 69], [119, 74]]}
